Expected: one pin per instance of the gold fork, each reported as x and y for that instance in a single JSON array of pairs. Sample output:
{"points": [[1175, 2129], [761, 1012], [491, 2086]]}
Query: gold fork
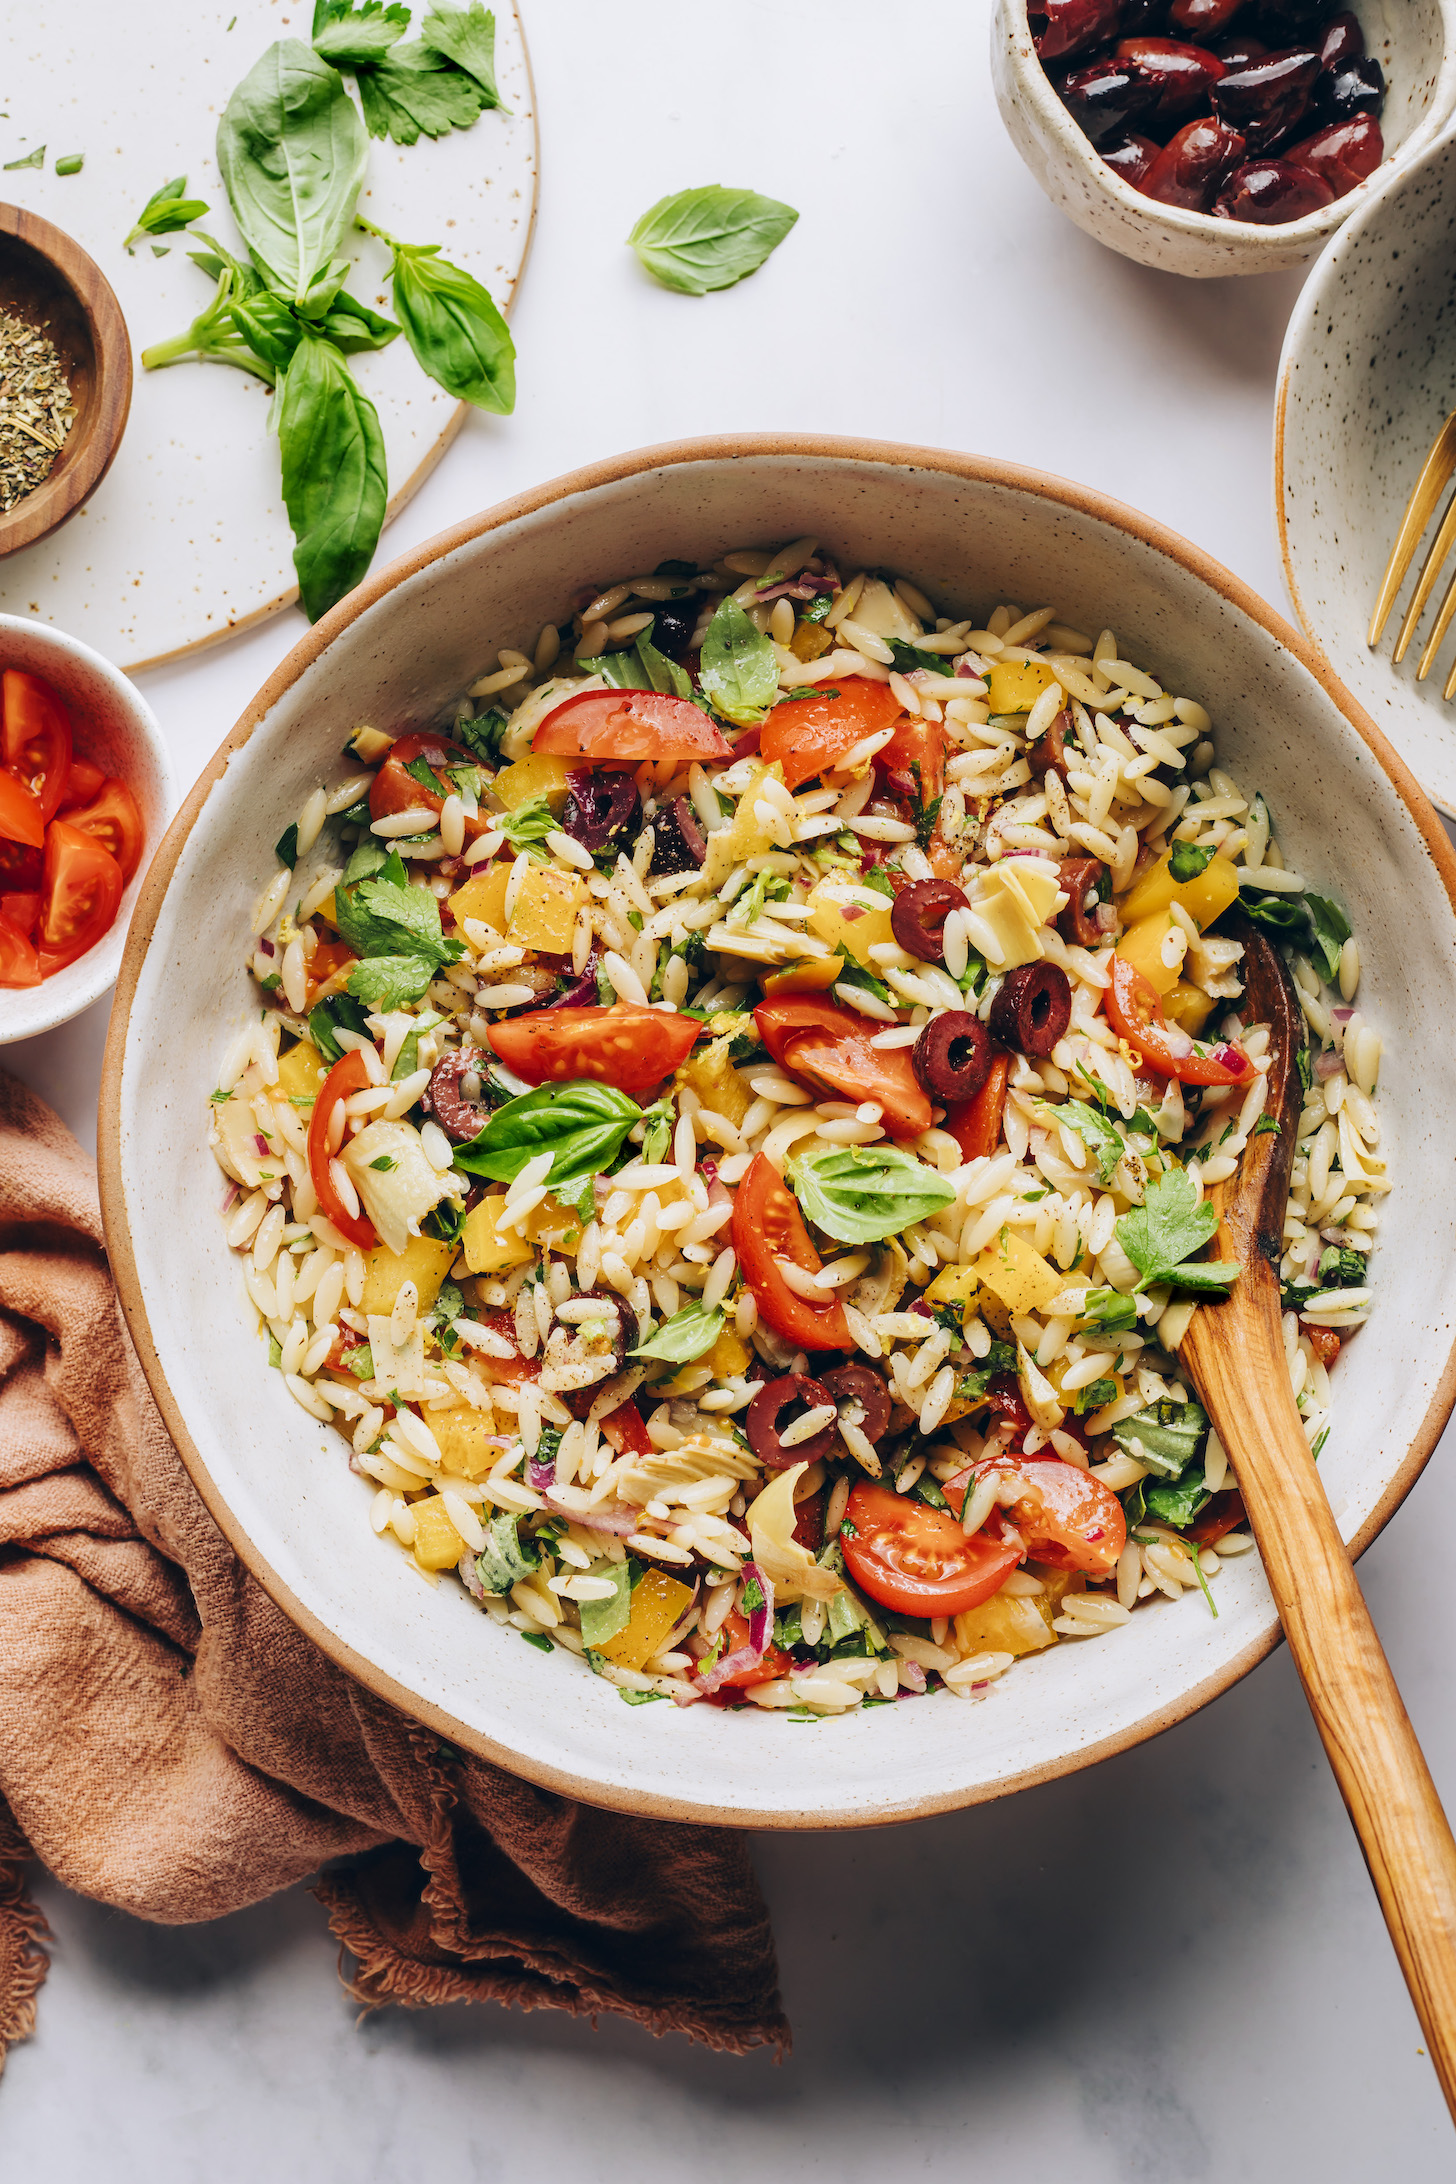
{"points": [[1436, 475]]}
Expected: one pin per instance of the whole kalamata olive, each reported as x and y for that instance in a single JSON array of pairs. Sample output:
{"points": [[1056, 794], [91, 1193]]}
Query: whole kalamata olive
{"points": [[1049, 752], [1343, 154], [1238, 51], [1131, 157], [952, 1056], [1033, 1009], [461, 1117], [1060, 28], [1193, 166], [1202, 20], [1282, 21], [918, 917], [1105, 96], [768, 1407], [602, 1344], [1353, 87], [601, 808], [1081, 876], [1269, 192], [1342, 39], [856, 1385], [1183, 74], [673, 623], [677, 839], [1268, 98], [1142, 18]]}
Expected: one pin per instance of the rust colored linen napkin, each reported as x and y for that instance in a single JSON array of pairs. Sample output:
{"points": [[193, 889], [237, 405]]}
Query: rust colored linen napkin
{"points": [[172, 1745]]}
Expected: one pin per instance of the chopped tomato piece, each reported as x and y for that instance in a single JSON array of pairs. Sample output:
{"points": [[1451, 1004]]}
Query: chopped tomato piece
{"points": [[347, 1075], [627, 1433], [629, 1046], [1136, 1014], [115, 821], [329, 959], [1324, 1342], [767, 1227], [917, 750], [976, 1124], [830, 1047], [916, 1560], [809, 735], [1064, 1516], [84, 783], [1225, 1513], [21, 868], [22, 910], [19, 964], [775, 1662], [21, 816], [396, 789], [81, 894], [35, 737], [624, 727]]}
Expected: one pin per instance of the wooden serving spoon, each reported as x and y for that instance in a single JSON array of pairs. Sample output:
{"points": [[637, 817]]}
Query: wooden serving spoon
{"points": [[1234, 1355]]}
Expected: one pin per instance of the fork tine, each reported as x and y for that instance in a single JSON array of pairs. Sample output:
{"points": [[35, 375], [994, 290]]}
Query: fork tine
{"points": [[1441, 545], [1435, 476], [1444, 619]]}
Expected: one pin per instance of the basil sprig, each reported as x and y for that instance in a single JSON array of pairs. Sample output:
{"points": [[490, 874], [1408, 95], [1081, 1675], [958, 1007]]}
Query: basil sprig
{"points": [[710, 237], [739, 669], [292, 152], [167, 210], [862, 1193], [451, 323], [584, 1126]]}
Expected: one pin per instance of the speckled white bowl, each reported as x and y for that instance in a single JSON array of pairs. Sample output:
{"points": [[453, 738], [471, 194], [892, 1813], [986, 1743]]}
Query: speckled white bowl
{"points": [[398, 651], [1367, 378], [115, 728], [1414, 42]]}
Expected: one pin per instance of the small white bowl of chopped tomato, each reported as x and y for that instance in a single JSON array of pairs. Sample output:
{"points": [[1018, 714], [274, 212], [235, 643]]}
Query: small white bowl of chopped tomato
{"points": [[85, 794]]}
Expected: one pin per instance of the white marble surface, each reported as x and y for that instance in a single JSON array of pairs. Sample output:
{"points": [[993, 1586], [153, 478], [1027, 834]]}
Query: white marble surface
{"points": [[1170, 1968]]}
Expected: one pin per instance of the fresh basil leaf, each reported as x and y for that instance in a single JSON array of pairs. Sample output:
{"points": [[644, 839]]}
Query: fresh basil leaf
{"points": [[1092, 1127], [269, 326], [909, 658], [353, 327], [414, 91], [710, 237], [1093, 1396], [1166, 1436], [603, 1619], [1283, 917], [1161, 1234], [739, 671], [452, 324], [338, 1011], [644, 668], [483, 736], [292, 155], [1331, 931], [855, 974], [1186, 860], [1343, 1269], [860, 1194], [1109, 1311], [285, 849], [878, 879], [685, 1336], [1266, 1126], [214, 335], [467, 37], [334, 485], [657, 1135], [350, 37], [166, 211], [583, 1124], [506, 1557], [1178, 1503], [420, 769]]}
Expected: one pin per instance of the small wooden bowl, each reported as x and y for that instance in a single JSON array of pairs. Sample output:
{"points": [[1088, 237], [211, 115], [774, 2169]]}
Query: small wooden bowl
{"points": [[48, 280]]}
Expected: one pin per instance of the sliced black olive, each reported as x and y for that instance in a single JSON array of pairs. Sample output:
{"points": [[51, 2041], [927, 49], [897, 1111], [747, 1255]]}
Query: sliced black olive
{"points": [[768, 1407], [673, 623], [460, 1118], [858, 1385], [677, 840], [952, 1056], [919, 914], [1033, 1009], [600, 809]]}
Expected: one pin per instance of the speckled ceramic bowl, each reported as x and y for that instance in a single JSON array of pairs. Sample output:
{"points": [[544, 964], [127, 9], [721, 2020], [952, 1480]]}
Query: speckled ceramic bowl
{"points": [[1414, 42], [397, 652], [1367, 378]]}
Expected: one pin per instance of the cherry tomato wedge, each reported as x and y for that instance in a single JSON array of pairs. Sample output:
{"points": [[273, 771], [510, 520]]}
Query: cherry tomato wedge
{"points": [[916, 1560], [35, 737], [917, 744], [81, 893], [115, 821], [626, 1432], [1136, 1014], [19, 963], [767, 1226], [808, 735], [775, 1661], [396, 789], [21, 816], [629, 1046], [624, 727], [330, 959], [347, 1075], [21, 868], [1224, 1514], [84, 783], [830, 1048], [22, 910], [1065, 1516], [976, 1124]]}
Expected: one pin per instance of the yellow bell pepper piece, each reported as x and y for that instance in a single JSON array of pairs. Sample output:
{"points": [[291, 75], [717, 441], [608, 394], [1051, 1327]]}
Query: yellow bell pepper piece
{"points": [[1142, 946], [1006, 1623], [438, 1546], [1015, 686], [805, 977], [425, 1263], [1017, 1274], [544, 914], [810, 641], [711, 1075], [484, 897], [729, 1356], [745, 835], [852, 919], [300, 1072], [489, 1249], [954, 1285], [467, 1440], [540, 774], [1204, 898], [658, 1602], [1188, 1007]]}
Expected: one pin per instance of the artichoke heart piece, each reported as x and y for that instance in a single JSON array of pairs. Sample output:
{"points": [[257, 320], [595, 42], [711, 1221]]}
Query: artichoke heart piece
{"points": [[396, 1183]]}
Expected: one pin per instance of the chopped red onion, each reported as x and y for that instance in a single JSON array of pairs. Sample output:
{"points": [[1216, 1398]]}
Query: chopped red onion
{"points": [[262, 1144], [1105, 917], [1342, 1016], [266, 947], [912, 1675], [1232, 1057], [466, 1568], [760, 1631], [618, 1522], [541, 1476], [1327, 1064], [230, 1198]]}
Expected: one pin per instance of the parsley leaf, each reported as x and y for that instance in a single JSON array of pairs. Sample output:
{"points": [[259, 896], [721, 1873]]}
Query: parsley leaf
{"points": [[379, 917], [1161, 1235], [528, 824], [1186, 861], [1093, 1127], [483, 735], [415, 91]]}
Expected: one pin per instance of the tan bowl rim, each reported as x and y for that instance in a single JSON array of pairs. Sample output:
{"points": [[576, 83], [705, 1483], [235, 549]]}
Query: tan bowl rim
{"points": [[1177, 219], [724, 448]]}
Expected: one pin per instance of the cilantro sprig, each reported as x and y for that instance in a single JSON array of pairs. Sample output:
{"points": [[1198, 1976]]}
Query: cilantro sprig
{"points": [[1161, 1235]]}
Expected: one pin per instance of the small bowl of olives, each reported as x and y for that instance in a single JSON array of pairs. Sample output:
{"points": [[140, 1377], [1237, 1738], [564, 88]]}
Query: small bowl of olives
{"points": [[1210, 137]]}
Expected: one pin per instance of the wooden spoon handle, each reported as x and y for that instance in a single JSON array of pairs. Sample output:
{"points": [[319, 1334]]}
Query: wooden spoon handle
{"points": [[1362, 1721]]}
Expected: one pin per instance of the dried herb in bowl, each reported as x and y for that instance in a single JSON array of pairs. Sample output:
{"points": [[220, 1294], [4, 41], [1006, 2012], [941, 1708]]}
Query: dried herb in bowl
{"points": [[36, 409]]}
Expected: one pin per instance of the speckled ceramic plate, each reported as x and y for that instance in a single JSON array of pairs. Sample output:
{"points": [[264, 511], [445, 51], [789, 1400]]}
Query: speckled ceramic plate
{"points": [[397, 652], [186, 539], [1367, 378]]}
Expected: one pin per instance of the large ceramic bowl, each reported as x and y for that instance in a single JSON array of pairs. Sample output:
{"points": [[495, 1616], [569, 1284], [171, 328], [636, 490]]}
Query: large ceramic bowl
{"points": [[398, 651], [1367, 379], [1414, 42]]}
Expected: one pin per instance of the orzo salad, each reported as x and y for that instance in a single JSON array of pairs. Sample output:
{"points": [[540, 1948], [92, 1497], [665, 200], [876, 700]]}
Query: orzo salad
{"points": [[727, 1134]]}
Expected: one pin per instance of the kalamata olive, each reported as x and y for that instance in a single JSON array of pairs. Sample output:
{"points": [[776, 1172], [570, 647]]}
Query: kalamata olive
{"points": [[769, 1405], [1238, 51], [1202, 20], [1033, 1009], [856, 1384], [1193, 166], [1343, 154], [1282, 21], [952, 1056], [579, 993], [1269, 192], [1269, 98], [1081, 877], [1142, 18], [677, 839], [1353, 87], [918, 917], [1131, 157], [600, 809], [673, 623], [460, 1117], [1048, 754], [1342, 39], [1061, 28], [597, 1343], [1105, 96], [1183, 74]]}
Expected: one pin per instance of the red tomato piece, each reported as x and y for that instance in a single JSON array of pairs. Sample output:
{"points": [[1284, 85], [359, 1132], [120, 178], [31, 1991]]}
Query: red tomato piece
{"points": [[347, 1075], [767, 1226], [329, 958], [22, 910], [916, 1560], [21, 816], [1065, 1516], [81, 893], [19, 963], [917, 744], [1136, 1014], [775, 1662], [629, 1046], [115, 821], [624, 727], [394, 789], [976, 1124], [1324, 1342], [21, 868], [627, 1433], [808, 735], [35, 737], [1225, 1513], [84, 783], [830, 1048]]}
